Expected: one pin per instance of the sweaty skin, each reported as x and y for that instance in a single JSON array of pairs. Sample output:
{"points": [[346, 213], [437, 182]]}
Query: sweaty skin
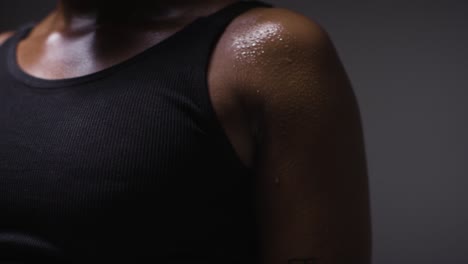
{"points": [[280, 92]]}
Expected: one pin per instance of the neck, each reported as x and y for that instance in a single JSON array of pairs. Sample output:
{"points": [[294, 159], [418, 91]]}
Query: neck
{"points": [[75, 14]]}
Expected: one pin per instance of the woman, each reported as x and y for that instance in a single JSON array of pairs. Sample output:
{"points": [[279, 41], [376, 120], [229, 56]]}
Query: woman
{"points": [[179, 132]]}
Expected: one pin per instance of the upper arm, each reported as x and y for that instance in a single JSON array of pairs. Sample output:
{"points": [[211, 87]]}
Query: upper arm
{"points": [[310, 164], [4, 36]]}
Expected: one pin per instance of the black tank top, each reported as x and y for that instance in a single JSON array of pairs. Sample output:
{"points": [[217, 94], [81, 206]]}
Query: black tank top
{"points": [[128, 164]]}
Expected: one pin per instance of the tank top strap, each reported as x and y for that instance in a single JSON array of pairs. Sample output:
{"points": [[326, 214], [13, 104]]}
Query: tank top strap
{"points": [[195, 43], [224, 16], [213, 26], [192, 52], [20, 32], [11, 41]]}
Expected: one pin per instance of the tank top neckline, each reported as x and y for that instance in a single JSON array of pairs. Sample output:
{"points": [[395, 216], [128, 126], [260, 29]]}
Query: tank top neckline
{"points": [[32, 81]]}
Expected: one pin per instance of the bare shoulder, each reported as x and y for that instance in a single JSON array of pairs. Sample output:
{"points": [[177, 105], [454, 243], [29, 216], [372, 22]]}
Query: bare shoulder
{"points": [[278, 53], [5, 35], [310, 158], [262, 32], [276, 23], [268, 26]]}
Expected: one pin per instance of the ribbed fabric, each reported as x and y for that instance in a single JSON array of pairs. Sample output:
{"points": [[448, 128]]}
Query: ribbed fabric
{"points": [[129, 164]]}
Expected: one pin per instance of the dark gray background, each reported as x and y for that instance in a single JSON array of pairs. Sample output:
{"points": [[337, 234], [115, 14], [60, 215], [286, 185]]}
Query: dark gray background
{"points": [[408, 61]]}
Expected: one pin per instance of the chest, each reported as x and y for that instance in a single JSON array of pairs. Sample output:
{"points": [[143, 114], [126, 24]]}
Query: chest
{"points": [[60, 59]]}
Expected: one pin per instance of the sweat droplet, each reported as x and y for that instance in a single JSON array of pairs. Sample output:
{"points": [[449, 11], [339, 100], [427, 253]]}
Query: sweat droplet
{"points": [[250, 45]]}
